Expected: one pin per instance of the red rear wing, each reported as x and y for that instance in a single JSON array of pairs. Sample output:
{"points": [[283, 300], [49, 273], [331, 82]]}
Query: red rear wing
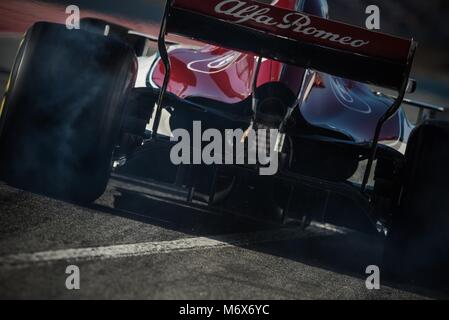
{"points": [[295, 38]]}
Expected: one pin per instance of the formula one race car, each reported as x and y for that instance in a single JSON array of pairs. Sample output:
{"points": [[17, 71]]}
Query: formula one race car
{"points": [[282, 76]]}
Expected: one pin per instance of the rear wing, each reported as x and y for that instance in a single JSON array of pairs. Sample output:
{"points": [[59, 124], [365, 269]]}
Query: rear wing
{"points": [[295, 38]]}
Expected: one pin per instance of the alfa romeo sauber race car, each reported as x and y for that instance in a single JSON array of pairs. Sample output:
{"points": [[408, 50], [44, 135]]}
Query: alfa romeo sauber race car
{"points": [[80, 104]]}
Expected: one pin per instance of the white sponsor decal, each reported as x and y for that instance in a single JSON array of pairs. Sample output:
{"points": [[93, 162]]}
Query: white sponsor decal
{"points": [[348, 99], [297, 22], [215, 64]]}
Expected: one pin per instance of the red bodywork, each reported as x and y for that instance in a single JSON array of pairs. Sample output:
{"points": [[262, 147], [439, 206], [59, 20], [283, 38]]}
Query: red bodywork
{"points": [[334, 103]]}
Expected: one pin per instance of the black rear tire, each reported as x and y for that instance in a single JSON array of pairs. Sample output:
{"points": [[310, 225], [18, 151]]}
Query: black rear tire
{"points": [[63, 111], [417, 247]]}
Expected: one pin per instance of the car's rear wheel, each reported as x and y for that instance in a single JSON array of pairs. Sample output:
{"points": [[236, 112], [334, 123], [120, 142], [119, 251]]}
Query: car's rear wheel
{"points": [[63, 110], [417, 247]]}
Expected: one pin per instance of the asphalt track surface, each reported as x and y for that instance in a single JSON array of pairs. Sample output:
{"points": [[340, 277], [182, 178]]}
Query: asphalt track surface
{"points": [[132, 245], [136, 242]]}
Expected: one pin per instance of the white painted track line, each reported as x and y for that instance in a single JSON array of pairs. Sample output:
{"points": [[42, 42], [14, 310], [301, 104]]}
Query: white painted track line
{"points": [[149, 248]]}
